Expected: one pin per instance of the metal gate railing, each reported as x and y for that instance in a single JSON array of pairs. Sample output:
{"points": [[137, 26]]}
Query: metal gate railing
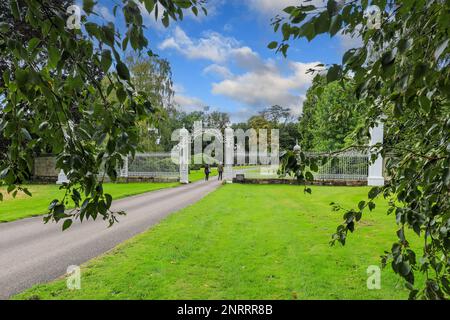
{"points": [[349, 165]]}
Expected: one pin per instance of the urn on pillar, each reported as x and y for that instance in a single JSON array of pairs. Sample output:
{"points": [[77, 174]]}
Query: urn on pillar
{"points": [[62, 178]]}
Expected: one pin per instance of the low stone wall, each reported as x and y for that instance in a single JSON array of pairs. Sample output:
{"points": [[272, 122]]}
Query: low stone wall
{"points": [[45, 167], [296, 182], [138, 180]]}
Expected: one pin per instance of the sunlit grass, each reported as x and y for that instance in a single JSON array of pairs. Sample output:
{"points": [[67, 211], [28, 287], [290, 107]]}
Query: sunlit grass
{"points": [[246, 242], [24, 206]]}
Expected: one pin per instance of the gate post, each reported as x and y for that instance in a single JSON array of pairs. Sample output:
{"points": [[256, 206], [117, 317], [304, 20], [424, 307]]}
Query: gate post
{"points": [[229, 154], [124, 171], [184, 155], [376, 169]]}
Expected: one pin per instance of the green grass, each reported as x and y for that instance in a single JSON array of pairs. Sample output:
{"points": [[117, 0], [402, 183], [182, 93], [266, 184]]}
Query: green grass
{"points": [[197, 175], [245, 242], [24, 206]]}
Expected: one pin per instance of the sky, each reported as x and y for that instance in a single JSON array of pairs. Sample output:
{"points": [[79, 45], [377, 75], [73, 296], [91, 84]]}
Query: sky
{"points": [[221, 60]]}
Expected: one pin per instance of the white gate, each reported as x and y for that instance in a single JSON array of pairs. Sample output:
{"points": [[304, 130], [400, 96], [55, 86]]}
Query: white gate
{"points": [[348, 166], [156, 165]]}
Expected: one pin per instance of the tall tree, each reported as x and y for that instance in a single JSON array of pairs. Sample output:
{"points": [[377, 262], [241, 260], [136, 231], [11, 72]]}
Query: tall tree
{"points": [[331, 114], [153, 75], [217, 120], [277, 114], [401, 72]]}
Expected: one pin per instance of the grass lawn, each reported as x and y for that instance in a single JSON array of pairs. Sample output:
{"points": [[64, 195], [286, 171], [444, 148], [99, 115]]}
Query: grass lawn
{"points": [[245, 242], [24, 206], [197, 175]]}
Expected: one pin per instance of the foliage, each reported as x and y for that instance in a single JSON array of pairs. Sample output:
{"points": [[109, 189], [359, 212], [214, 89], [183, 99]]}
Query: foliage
{"points": [[23, 206], [401, 73], [330, 115], [54, 73], [152, 75]]}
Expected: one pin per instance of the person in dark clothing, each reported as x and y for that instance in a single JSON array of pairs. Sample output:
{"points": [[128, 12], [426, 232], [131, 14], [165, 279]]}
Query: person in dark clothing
{"points": [[220, 171], [207, 171]]}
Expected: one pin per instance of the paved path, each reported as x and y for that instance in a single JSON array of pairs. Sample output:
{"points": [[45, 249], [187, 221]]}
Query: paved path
{"points": [[31, 252]]}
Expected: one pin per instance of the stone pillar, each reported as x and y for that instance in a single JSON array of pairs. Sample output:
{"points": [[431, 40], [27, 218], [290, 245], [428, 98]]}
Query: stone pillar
{"points": [[376, 169], [229, 154], [124, 171], [184, 155], [62, 178]]}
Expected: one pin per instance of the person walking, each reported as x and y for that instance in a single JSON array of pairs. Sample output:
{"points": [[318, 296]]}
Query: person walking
{"points": [[220, 171], [207, 172]]}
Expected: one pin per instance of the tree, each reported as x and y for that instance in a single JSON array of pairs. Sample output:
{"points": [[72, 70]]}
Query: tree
{"points": [[277, 114], [217, 120], [153, 75], [52, 75], [401, 73], [331, 114]]}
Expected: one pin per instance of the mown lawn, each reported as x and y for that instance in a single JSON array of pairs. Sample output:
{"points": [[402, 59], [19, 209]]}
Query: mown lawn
{"points": [[24, 206], [245, 242]]}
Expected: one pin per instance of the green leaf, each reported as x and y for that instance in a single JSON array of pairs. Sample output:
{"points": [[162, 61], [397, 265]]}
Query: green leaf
{"points": [[334, 73], [332, 7], [14, 5], [335, 26], [109, 200], [165, 20], [32, 44], [67, 223], [425, 103], [273, 45], [53, 57], [405, 268], [106, 61], [88, 5], [26, 134], [122, 70], [322, 23], [361, 205], [149, 5]]}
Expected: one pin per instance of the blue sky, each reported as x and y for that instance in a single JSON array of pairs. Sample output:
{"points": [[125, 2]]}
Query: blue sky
{"points": [[222, 60]]}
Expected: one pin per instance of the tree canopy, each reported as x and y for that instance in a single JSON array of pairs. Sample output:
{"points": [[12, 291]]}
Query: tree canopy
{"points": [[401, 74], [54, 99], [331, 115]]}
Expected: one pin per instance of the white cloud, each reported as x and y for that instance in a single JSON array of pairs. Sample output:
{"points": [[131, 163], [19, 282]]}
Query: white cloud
{"points": [[260, 83], [186, 103], [213, 46], [269, 86], [218, 70]]}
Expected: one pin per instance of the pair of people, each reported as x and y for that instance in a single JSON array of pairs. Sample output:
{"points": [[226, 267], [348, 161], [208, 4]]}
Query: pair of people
{"points": [[219, 170]]}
